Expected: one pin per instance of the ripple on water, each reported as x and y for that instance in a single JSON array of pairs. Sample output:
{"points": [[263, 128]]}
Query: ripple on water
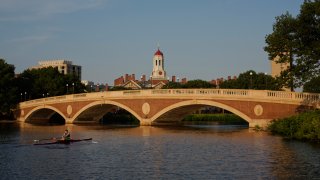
{"points": [[193, 152]]}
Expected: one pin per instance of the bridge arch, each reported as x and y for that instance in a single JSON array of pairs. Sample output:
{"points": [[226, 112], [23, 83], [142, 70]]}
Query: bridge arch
{"points": [[199, 103], [102, 108], [43, 114]]}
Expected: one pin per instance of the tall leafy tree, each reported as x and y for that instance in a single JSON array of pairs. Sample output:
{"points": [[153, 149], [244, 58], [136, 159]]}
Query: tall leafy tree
{"points": [[308, 37], [281, 47], [296, 41], [313, 86], [8, 91]]}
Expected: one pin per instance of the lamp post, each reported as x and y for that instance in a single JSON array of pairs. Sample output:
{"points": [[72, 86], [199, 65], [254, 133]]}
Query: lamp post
{"points": [[47, 94], [20, 97], [25, 96], [265, 76], [90, 88], [72, 88], [142, 81], [250, 80], [67, 88]]}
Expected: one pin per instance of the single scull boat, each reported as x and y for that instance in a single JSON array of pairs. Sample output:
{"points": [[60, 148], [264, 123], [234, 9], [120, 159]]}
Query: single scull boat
{"points": [[60, 141]]}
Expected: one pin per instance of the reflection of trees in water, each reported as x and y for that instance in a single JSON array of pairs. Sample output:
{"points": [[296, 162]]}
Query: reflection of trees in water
{"points": [[119, 116], [8, 131]]}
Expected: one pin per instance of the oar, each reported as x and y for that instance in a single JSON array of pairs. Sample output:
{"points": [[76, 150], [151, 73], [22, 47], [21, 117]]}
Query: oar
{"points": [[37, 140]]}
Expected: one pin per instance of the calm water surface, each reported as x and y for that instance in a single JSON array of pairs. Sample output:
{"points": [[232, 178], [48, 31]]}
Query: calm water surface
{"points": [[193, 152]]}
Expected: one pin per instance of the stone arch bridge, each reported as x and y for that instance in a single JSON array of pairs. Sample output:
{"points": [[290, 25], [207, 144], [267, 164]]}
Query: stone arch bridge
{"points": [[157, 106]]}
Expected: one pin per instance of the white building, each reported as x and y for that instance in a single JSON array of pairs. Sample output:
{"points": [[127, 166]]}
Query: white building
{"points": [[87, 83], [64, 66]]}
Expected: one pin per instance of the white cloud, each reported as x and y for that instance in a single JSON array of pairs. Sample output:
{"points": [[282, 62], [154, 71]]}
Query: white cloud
{"points": [[29, 10], [34, 39]]}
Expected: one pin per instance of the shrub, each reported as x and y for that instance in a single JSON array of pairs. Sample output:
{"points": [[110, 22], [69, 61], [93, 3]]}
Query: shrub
{"points": [[304, 126]]}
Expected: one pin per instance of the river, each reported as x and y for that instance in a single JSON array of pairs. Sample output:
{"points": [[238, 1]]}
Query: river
{"points": [[122, 152]]}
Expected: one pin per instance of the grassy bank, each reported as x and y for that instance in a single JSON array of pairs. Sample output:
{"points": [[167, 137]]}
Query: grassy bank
{"points": [[305, 126], [220, 118]]}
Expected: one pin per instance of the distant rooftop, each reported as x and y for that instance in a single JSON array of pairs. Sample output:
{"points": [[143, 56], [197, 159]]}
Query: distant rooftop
{"points": [[55, 62]]}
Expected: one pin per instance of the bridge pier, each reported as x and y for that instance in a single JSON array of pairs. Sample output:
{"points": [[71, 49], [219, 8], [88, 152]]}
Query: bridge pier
{"points": [[262, 123], [145, 122]]}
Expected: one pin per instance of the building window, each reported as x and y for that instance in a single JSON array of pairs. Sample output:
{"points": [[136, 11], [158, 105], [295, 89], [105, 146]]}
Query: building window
{"points": [[156, 63], [159, 63]]}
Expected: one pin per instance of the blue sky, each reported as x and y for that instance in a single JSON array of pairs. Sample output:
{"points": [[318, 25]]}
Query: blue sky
{"points": [[203, 39]]}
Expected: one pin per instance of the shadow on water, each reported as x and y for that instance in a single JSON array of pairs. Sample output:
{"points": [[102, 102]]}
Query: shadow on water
{"points": [[206, 126]]}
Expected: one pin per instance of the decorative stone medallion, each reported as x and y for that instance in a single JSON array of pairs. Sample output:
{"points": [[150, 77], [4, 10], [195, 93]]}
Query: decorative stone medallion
{"points": [[69, 110], [258, 110], [146, 108], [22, 112]]}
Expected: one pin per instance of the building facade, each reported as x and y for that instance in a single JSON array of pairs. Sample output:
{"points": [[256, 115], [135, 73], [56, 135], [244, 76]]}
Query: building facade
{"points": [[277, 68], [64, 67]]}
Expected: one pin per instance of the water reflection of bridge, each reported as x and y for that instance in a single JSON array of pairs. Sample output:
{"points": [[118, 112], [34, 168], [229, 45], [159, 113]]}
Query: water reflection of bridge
{"points": [[257, 107]]}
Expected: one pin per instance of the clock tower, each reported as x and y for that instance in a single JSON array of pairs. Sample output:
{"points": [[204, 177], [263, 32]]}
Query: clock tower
{"points": [[158, 72]]}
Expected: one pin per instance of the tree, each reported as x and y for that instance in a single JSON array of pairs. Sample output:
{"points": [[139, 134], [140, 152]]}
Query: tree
{"points": [[308, 37], [296, 40], [172, 85], [8, 91], [313, 86], [119, 88], [38, 83], [251, 80], [281, 47], [190, 84], [197, 84]]}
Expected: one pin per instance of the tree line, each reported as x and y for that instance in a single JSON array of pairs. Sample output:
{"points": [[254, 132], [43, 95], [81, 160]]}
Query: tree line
{"points": [[32, 84]]}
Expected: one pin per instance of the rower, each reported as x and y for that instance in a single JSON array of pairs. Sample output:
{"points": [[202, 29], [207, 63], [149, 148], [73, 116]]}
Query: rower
{"points": [[66, 135]]}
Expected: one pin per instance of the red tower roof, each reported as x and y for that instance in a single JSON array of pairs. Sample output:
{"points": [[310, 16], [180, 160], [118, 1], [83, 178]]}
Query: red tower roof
{"points": [[159, 53]]}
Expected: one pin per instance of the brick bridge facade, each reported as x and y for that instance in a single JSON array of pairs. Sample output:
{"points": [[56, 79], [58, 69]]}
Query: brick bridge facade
{"points": [[166, 106]]}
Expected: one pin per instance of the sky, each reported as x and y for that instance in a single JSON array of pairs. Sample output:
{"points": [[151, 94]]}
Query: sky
{"points": [[200, 39]]}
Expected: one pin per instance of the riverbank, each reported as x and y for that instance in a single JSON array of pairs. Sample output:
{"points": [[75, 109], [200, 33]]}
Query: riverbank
{"points": [[219, 118], [304, 126], [7, 121]]}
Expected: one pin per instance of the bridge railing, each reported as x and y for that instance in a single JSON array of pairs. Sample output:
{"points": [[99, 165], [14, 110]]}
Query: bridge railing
{"points": [[201, 92], [232, 93]]}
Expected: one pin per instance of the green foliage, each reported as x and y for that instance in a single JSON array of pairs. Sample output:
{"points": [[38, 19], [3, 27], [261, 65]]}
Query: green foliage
{"points": [[296, 41], [38, 83], [303, 126], [257, 128], [119, 88], [172, 85], [255, 81], [312, 86], [8, 91], [190, 84], [197, 84], [221, 118]]}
